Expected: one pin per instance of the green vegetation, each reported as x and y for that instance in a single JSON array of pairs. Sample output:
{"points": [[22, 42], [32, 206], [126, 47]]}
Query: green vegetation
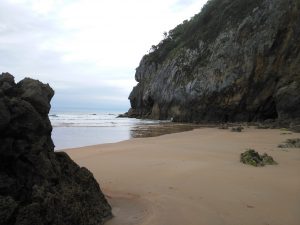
{"points": [[251, 157], [214, 17], [291, 143]]}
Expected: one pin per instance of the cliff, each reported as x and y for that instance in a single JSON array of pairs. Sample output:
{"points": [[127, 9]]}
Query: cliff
{"points": [[237, 60], [37, 185]]}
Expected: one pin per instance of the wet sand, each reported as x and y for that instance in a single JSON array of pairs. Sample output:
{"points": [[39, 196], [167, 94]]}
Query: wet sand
{"points": [[195, 178], [154, 130]]}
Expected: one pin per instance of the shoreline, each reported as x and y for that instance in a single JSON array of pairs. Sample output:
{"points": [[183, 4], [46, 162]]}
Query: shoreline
{"points": [[195, 177], [95, 135]]}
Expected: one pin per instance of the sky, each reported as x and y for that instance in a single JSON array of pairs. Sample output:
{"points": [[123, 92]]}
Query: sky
{"points": [[87, 50]]}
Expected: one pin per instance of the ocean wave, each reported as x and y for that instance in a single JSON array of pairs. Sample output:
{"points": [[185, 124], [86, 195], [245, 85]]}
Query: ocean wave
{"points": [[94, 120]]}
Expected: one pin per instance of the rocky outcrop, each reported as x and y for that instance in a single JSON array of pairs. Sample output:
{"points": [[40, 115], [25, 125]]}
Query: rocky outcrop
{"points": [[235, 61], [37, 185]]}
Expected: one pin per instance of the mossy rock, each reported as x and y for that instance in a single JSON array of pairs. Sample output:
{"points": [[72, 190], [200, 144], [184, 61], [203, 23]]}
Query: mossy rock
{"points": [[253, 158], [290, 143], [268, 160]]}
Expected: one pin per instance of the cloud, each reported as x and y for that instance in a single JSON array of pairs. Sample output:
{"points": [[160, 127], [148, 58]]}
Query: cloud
{"points": [[184, 3], [86, 50]]}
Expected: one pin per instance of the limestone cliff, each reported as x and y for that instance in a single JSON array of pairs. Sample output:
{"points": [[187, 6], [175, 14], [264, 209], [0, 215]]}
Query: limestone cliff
{"points": [[37, 185], [237, 60]]}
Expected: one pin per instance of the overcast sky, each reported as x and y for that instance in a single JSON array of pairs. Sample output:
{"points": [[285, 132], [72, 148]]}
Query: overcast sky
{"points": [[87, 50]]}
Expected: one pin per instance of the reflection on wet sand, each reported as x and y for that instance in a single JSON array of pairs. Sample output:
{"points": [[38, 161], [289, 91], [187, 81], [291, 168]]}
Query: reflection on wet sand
{"points": [[153, 130]]}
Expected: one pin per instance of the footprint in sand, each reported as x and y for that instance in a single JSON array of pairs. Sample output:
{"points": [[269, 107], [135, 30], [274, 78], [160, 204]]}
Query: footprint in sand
{"points": [[128, 209]]}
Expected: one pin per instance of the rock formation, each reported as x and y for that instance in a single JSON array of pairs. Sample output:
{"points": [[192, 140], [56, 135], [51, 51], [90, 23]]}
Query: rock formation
{"points": [[37, 185], [237, 60]]}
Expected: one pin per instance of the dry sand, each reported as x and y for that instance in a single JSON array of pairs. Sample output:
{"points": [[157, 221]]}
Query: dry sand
{"points": [[195, 178]]}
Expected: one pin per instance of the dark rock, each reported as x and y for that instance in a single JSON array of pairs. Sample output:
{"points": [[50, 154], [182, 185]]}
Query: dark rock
{"points": [[251, 157], [124, 115], [4, 116], [7, 81], [235, 61], [37, 185], [271, 124], [7, 208], [295, 126], [36, 93]]}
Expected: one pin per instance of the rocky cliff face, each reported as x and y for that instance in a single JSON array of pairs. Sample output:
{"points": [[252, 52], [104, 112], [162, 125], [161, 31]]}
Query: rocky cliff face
{"points": [[38, 186], [235, 61]]}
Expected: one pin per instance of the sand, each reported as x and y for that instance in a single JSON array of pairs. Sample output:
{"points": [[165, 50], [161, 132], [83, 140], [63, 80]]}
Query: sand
{"points": [[195, 178]]}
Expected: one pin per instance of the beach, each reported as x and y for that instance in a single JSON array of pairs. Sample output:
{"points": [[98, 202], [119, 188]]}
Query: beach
{"points": [[196, 178]]}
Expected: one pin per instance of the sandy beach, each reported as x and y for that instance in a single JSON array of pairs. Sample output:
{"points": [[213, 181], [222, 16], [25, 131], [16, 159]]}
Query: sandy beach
{"points": [[195, 178]]}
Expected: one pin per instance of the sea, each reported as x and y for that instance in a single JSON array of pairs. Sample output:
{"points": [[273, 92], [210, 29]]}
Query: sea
{"points": [[78, 129]]}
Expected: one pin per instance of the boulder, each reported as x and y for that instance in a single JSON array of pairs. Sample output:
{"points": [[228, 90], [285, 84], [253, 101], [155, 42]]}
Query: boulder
{"points": [[37, 185]]}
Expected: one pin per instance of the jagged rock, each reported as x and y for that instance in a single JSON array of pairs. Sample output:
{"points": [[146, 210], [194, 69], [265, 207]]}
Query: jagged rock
{"points": [[251, 157], [124, 115], [235, 61], [37, 185]]}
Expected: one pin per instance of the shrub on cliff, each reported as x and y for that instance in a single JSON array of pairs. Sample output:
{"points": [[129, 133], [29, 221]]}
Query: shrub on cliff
{"points": [[206, 26]]}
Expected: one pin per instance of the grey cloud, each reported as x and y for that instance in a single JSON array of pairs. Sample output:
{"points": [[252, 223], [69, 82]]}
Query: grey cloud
{"points": [[183, 3], [17, 20], [21, 34]]}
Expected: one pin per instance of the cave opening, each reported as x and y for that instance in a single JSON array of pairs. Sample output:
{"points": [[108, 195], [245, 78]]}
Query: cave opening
{"points": [[268, 110], [149, 102]]}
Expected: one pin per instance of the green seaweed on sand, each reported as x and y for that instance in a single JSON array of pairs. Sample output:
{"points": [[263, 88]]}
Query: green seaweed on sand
{"points": [[290, 143], [253, 158]]}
